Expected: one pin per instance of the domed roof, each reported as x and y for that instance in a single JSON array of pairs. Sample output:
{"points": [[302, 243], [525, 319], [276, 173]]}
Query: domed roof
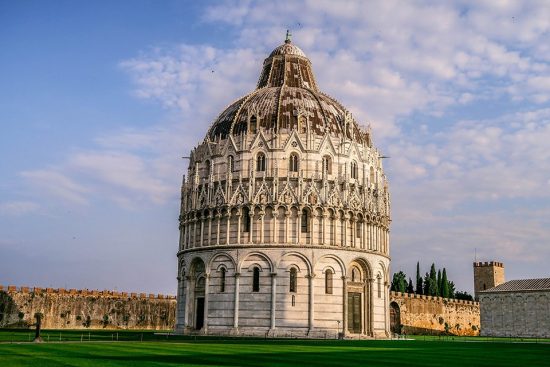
{"points": [[286, 98], [287, 48]]}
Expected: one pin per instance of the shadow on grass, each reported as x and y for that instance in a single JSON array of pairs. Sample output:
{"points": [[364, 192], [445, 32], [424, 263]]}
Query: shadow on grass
{"points": [[269, 353]]}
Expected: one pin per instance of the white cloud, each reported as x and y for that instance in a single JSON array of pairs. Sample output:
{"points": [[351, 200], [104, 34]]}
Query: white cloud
{"points": [[57, 184], [18, 208]]}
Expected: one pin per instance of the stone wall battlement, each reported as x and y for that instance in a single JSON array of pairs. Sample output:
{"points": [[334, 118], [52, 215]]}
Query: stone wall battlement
{"points": [[436, 299], [83, 292], [479, 264]]}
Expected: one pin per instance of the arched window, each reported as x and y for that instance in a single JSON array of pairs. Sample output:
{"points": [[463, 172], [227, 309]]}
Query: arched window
{"points": [[379, 283], [328, 281], [371, 175], [253, 124], [256, 279], [355, 275], [353, 169], [246, 219], [260, 162], [230, 164], [207, 168], [222, 280], [304, 225], [293, 163], [327, 165], [358, 229], [293, 280]]}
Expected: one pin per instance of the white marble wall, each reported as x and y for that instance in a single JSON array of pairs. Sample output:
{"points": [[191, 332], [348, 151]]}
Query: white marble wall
{"points": [[521, 314]]}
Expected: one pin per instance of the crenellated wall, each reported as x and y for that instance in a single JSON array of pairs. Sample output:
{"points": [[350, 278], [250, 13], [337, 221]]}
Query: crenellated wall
{"points": [[82, 309], [420, 314]]}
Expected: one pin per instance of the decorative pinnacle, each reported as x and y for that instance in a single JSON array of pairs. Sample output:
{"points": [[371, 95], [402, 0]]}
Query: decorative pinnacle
{"points": [[288, 36]]}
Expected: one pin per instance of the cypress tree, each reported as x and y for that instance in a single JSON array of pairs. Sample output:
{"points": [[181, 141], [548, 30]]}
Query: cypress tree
{"points": [[439, 286], [410, 288], [445, 285], [433, 281], [427, 281], [418, 279]]}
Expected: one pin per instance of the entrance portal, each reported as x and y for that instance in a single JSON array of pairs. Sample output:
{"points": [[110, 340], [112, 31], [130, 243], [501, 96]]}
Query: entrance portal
{"points": [[199, 321], [354, 312], [395, 318]]}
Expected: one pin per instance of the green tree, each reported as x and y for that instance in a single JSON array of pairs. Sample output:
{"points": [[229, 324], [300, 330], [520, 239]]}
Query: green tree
{"points": [[444, 285], [399, 282], [439, 286], [427, 284], [410, 288], [419, 289], [432, 290], [452, 289], [464, 295]]}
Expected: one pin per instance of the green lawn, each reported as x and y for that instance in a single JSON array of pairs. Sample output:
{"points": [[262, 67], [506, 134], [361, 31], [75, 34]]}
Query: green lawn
{"points": [[260, 352]]}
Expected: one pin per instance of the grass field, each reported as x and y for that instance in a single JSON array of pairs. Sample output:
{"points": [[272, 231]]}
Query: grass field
{"points": [[260, 352]]}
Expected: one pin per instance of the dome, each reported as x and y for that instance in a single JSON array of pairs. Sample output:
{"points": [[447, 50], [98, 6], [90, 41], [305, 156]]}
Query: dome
{"points": [[288, 48], [286, 94]]}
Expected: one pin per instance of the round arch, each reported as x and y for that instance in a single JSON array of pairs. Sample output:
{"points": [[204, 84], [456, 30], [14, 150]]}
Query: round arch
{"points": [[297, 254], [260, 254]]}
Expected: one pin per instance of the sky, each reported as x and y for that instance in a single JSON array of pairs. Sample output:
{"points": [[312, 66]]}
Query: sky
{"points": [[100, 100]]}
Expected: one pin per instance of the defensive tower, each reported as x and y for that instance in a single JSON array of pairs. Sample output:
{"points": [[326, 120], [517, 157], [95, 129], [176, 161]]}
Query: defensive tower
{"points": [[487, 275]]}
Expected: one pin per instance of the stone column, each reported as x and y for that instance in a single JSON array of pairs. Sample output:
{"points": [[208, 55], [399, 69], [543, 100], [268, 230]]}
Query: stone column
{"points": [[370, 326], [311, 279], [345, 313], [387, 308], [345, 230], [228, 215], [337, 236], [262, 224], [182, 234], [387, 241], [275, 226], [239, 215], [236, 300], [364, 234], [251, 233], [206, 296], [210, 218], [189, 230], [202, 231], [218, 222], [273, 299], [195, 232], [287, 216], [298, 225], [181, 301], [353, 232], [323, 228], [378, 239], [188, 301]]}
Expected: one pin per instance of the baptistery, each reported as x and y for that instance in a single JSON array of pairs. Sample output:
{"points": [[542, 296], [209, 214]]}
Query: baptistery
{"points": [[285, 214]]}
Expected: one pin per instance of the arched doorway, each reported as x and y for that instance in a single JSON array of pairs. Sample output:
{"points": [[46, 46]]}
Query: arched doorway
{"points": [[198, 282], [395, 318], [358, 298]]}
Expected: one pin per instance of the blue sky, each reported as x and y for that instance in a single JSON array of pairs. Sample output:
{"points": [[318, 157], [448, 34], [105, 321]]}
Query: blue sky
{"points": [[99, 100]]}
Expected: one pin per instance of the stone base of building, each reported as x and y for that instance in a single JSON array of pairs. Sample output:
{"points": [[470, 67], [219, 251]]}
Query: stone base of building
{"points": [[298, 333]]}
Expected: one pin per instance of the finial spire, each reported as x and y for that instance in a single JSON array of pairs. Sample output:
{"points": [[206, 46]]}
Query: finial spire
{"points": [[288, 36]]}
